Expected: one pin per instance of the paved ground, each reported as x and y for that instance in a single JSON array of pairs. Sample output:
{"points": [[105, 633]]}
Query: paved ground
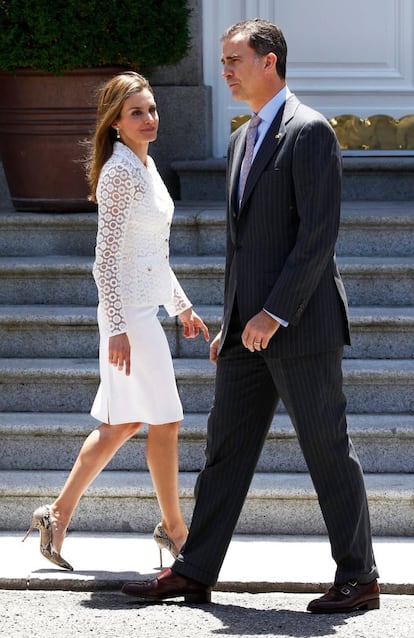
{"points": [[264, 588], [63, 614], [255, 564]]}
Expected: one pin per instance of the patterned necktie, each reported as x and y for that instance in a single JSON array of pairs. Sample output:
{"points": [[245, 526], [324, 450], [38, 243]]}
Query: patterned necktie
{"points": [[248, 155]]}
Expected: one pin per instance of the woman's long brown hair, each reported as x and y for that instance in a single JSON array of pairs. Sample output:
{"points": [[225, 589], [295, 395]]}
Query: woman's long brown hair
{"points": [[111, 99]]}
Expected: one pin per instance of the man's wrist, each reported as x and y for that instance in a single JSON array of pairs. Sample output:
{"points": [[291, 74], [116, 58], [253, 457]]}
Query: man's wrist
{"points": [[278, 319]]}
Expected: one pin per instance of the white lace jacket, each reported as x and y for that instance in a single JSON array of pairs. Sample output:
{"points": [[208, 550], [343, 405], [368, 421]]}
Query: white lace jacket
{"points": [[131, 265]]}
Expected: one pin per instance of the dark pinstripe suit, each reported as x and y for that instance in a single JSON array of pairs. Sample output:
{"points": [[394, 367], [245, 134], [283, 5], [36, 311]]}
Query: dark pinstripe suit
{"points": [[280, 256]]}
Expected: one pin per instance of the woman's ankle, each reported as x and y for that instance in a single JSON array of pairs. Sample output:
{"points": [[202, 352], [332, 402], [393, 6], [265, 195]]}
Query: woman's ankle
{"points": [[177, 532], [59, 523], [59, 515]]}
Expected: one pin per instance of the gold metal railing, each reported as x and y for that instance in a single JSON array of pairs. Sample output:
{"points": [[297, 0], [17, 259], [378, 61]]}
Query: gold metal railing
{"points": [[376, 132]]}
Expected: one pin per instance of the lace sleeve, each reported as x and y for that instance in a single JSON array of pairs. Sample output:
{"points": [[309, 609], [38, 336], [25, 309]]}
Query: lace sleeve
{"points": [[115, 192], [180, 301]]}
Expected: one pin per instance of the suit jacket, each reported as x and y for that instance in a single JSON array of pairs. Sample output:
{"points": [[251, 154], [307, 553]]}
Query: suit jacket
{"points": [[281, 241]]}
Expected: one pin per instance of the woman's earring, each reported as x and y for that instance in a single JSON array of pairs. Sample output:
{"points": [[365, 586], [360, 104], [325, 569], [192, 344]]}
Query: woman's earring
{"points": [[118, 137]]}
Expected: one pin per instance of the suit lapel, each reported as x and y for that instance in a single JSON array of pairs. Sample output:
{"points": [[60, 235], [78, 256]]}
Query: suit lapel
{"points": [[238, 154], [273, 138]]}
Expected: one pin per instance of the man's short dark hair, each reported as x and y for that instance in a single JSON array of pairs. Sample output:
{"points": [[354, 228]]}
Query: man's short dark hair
{"points": [[264, 37]]}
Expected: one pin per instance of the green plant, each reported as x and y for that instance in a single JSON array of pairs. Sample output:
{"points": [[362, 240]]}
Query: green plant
{"points": [[60, 35]]}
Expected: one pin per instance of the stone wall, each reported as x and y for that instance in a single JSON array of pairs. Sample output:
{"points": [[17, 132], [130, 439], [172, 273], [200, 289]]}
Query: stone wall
{"points": [[184, 105]]}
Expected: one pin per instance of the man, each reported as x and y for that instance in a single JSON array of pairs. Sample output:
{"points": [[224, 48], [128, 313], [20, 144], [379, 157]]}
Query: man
{"points": [[285, 324]]}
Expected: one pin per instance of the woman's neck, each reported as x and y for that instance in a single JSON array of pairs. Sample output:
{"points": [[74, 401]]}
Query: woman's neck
{"points": [[140, 150]]}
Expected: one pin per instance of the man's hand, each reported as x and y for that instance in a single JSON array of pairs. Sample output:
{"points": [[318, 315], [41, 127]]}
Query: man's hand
{"points": [[214, 345], [120, 352], [258, 331]]}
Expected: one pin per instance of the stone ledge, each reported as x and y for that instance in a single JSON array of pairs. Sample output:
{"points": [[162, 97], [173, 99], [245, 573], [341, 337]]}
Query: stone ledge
{"points": [[365, 177], [283, 503]]}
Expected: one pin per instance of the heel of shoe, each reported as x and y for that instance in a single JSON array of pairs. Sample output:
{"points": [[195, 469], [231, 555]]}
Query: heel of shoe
{"points": [[27, 533], [163, 541], [160, 551], [372, 604], [200, 598]]}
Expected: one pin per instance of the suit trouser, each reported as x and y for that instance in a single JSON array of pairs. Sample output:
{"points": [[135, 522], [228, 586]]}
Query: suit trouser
{"points": [[248, 389]]}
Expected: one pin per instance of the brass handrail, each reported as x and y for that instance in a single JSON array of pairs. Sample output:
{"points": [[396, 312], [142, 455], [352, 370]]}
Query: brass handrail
{"points": [[376, 132]]}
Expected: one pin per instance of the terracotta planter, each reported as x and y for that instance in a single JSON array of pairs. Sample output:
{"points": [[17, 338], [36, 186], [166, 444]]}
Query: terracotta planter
{"points": [[43, 120]]}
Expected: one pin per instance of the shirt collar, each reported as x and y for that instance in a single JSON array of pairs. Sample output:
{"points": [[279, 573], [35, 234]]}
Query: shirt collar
{"points": [[268, 112]]}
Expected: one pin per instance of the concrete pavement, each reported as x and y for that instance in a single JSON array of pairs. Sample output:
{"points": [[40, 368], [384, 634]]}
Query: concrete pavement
{"points": [[253, 564], [109, 614]]}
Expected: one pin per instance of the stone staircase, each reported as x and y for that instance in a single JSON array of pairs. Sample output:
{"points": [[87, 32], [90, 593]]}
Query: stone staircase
{"points": [[49, 371]]}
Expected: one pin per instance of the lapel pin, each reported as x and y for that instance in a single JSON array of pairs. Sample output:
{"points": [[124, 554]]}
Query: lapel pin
{"points": [[277, 136]]}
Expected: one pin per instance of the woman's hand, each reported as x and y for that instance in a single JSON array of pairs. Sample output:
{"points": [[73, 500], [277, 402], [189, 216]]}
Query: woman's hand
{"points": [[192, 324], [120, 352]]}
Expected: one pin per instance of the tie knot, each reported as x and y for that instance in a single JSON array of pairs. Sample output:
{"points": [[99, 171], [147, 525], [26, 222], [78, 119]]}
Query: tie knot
{"points": [[254, 121]]}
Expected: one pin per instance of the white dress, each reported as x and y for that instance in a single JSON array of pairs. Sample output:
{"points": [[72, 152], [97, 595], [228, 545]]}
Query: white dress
{"points": [[133, 277]]}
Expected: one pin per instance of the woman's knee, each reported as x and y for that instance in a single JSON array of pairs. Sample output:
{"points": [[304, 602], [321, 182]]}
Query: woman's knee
{"points": [[165, 429], [163, 435]]}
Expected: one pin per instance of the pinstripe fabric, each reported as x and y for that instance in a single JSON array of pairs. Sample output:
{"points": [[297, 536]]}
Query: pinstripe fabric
{"points": [[311, 389], [280, 256], [281, 243]]}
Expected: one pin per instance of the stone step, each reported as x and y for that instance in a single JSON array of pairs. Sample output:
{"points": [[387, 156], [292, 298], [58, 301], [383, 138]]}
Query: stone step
{"points": [[369, 281], [276, 503], [51, 441], [376, 281], [29, 331], [69, 385], [377, 177], [27, 234], [56, 279], [366, 176], [375, 228], [382, 333], [368, 228], [48, 331]]}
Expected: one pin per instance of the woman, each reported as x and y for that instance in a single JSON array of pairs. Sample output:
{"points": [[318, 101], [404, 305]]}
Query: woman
{"points": [[133, 278]]}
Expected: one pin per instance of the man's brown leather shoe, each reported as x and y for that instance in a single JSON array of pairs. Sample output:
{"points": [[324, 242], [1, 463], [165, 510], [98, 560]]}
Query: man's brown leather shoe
{"points": [[352, 596], [169, 584]]}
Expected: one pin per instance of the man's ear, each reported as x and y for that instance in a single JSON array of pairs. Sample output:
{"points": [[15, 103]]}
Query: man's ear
{"points": [[270, 60]]}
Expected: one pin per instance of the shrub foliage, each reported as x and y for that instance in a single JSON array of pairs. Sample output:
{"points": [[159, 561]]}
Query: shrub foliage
{"points": [[60, 35]]}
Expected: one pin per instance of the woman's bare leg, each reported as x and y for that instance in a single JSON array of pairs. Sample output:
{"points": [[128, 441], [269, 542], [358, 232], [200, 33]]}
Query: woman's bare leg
{"points": [[162, 459], [96, 452]]}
